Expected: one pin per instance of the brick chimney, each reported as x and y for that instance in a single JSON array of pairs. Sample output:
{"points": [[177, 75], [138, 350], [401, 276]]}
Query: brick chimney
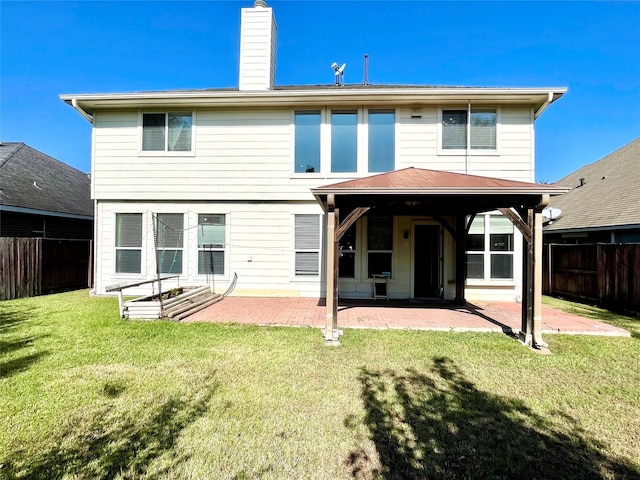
{"points": [[257, 48]]}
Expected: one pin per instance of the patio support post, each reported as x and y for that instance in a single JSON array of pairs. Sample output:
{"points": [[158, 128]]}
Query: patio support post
{"points": [[331, 334], [537, 274], [526, 330], [461, 273]]}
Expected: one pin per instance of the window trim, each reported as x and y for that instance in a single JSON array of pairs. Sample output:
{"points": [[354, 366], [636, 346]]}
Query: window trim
{"points": [[362, 141], [468, 151], [486, 256], [367, 250], [166, 152], [116, 248], [224, 248], [307, 276], [184, 263]]}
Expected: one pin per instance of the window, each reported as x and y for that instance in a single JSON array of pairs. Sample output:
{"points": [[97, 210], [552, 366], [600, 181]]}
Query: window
{"points": [[380, 245], [307, 142], [381, 140], [344, 141], [211, 244], [166, 132], [128, 242], [347, 253], [481, 130], [307, 244], [169, 232], [490, 248]]}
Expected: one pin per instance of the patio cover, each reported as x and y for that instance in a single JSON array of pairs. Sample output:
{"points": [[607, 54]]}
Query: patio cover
{"points": [[415, 191]]}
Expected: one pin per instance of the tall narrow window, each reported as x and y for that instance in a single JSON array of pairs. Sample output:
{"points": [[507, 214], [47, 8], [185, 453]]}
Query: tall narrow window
{"points": [[128, 242], [211, 244], [307, 142], [475, 248], [347, 253], [344, 141], [454, 129], [501, 246], [307, 244], [380, 245], [381, 140], [166, 132], [483, 129], [170, 239]]}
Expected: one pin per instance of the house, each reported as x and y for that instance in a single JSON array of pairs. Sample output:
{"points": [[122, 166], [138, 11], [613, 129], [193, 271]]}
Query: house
{"points": [[41, 196], [319, 190], [603, 205], [46, 223]]}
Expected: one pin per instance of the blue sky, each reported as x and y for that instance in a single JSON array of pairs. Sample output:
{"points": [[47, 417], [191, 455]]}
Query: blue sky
{"points": [[593, 48]]}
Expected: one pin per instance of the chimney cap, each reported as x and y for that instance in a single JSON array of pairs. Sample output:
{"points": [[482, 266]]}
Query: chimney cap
{"points": [[259, 3]]}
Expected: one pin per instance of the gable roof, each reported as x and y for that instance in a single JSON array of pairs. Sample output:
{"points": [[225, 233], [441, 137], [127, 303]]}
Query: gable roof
{"points": [[33, 182], [609, 196]]}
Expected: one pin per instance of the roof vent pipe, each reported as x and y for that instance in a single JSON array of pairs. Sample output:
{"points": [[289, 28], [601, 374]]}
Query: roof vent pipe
{"points": [[366, 69], [582, 182]]}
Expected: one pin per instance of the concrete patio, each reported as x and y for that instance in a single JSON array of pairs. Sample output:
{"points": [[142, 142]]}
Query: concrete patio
{"points": [[478, 316]]}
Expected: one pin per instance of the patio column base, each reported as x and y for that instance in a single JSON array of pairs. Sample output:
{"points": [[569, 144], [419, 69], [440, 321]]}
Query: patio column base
{"points": [[332, 338], [526, 338]]}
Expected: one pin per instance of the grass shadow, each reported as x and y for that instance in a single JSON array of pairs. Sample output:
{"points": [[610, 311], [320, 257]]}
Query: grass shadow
{"points": [[12, 318], [107, 444], [440, 426]]}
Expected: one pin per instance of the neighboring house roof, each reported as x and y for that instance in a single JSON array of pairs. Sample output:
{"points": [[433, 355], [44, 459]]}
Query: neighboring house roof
{"points": [[300, 95], [33, 182], [607, 196]]}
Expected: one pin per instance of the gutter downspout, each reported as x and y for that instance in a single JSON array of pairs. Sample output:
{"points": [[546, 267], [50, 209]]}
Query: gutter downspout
{"points": [[543, 106], [87, 117]]}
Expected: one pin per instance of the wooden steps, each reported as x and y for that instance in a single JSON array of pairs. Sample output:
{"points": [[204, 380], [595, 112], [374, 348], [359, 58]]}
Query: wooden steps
{"points": [[188, 303]]}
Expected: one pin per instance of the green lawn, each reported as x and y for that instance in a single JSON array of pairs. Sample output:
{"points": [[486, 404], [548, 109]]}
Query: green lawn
{"points": [[87, 395]]}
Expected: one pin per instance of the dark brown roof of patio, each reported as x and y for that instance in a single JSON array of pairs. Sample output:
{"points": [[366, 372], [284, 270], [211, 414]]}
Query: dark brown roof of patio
{"points": [[422, 181], [414, 191]]}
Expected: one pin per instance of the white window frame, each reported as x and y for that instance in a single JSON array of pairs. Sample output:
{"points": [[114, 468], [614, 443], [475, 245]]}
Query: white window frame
{"points": [[117, 248], [487, 252], [166, 152], [224, 249], [308, 249], [181, 249], [468, 150], [362, 141]]}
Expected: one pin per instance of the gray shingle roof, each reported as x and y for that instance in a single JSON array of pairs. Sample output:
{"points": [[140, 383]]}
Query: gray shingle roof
{"points": [[609, 197], [33, 180]]}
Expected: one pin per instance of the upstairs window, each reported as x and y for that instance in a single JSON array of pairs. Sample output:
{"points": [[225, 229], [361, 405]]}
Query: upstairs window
{"points": [[166, 132], [307, 142], [382, 145], [128, 242], [478, 134], [344, 141]]}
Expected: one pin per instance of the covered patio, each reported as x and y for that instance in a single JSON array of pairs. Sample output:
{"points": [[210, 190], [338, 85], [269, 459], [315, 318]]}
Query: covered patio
{"points": [[453, 200], [501, 317]]}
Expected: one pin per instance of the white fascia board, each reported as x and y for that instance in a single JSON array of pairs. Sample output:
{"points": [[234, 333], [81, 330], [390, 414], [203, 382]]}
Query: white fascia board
{"points": [[309, 97]]}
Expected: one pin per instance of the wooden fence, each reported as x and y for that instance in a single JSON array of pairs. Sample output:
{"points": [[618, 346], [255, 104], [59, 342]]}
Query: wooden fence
{"points": [[604, 274], [34, 266]]}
